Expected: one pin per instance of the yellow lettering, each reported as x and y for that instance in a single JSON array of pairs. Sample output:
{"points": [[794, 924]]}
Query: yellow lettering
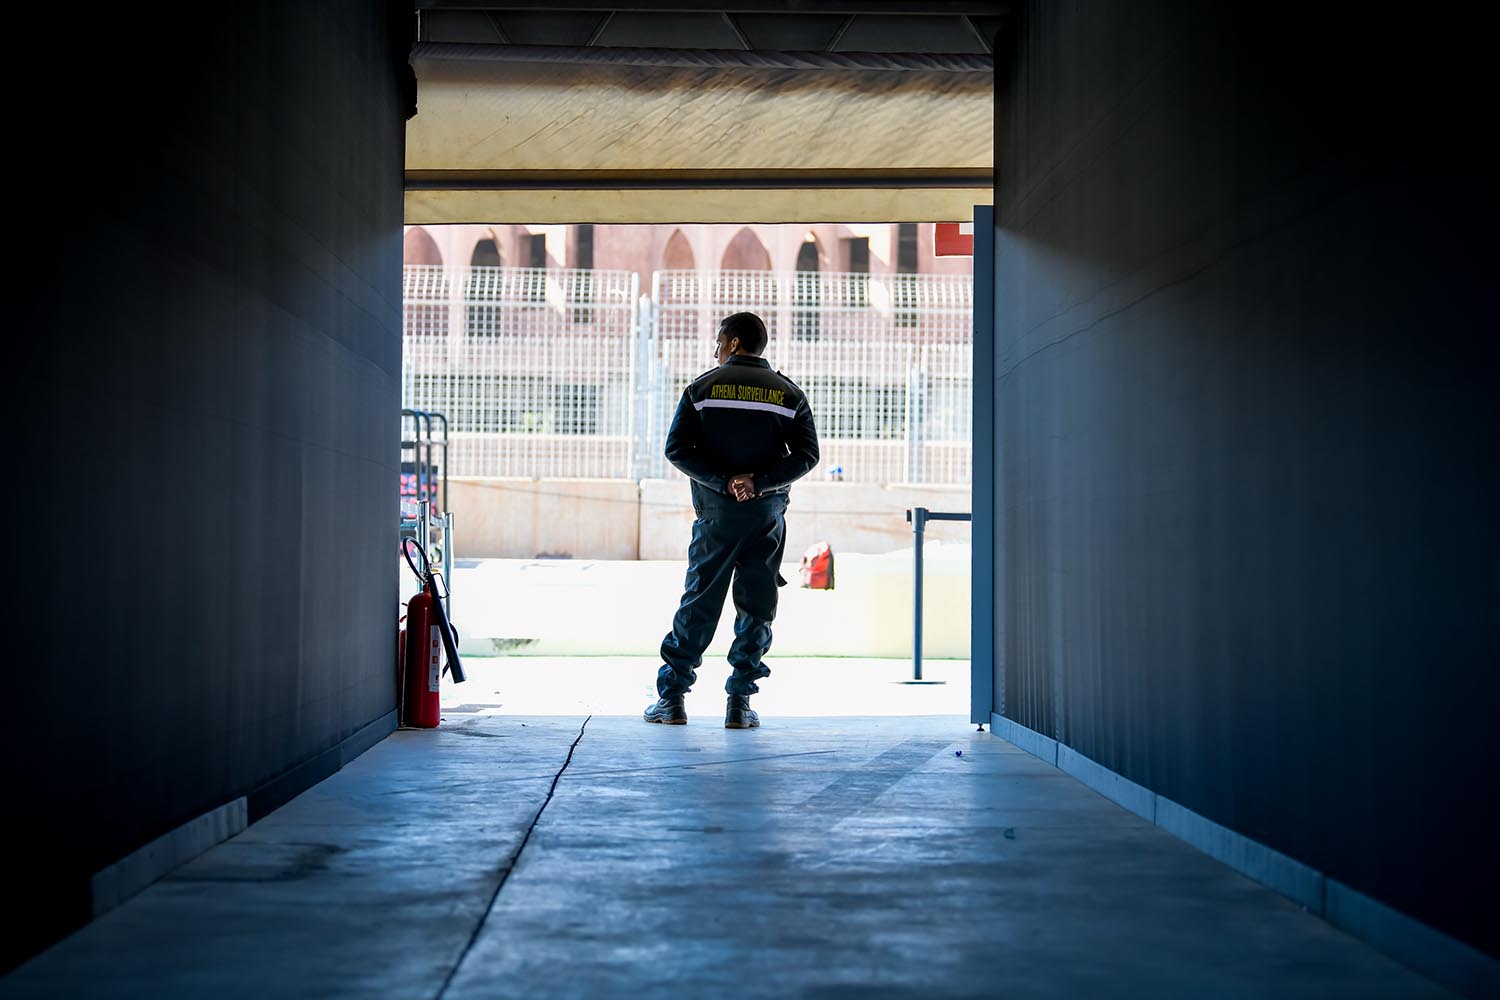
{"points": [[751, 393]]}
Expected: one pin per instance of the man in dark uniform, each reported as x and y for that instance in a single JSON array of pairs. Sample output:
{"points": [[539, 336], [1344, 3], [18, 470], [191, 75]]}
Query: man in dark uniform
{"points": [[743, 433]]}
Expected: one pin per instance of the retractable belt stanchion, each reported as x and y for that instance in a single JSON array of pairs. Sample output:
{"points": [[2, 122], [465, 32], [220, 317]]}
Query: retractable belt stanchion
{"points": [[918, 518]]}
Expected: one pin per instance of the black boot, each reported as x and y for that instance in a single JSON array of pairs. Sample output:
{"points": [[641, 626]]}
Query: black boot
{"points": [[738, 714], [668, 711]]}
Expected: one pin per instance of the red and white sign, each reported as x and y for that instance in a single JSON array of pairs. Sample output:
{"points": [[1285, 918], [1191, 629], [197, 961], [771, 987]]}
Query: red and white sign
{"points": [[953, 239]]}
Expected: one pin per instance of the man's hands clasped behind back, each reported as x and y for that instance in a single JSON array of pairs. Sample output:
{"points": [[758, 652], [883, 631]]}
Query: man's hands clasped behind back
{"points": [[742, 487]]}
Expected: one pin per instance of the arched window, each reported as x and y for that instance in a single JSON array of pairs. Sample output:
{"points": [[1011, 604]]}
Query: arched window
{"points": [[534, 255], [418, 248], [806, 293], [744, 282], [486, 254], [484, 288], [679, 254], [857, 254], [424, 292], [906, 274], [580, 286]]}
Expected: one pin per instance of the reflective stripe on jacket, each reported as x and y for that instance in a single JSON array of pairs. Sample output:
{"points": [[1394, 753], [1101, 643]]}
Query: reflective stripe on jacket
{"points": [[743, 417]]}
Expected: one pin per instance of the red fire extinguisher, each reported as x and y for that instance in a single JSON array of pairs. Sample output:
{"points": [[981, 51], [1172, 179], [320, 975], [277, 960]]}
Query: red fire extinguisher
{"points": [[424, 665], [421, 649]]}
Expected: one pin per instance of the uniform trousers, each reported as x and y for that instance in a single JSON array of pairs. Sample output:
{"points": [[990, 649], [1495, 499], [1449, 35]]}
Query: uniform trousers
{"points": [[736, 549]]}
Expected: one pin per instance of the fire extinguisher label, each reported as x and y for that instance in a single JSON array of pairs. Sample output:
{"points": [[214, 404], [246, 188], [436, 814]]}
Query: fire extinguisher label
{"points": [[434, 657]]}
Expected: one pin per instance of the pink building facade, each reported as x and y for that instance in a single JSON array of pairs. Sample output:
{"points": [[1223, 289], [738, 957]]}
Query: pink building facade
{"points": [[876, 249]]}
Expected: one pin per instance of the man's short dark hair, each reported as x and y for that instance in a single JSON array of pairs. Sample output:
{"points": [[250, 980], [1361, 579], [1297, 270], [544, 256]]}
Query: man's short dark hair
{"points": [[749, 328]]}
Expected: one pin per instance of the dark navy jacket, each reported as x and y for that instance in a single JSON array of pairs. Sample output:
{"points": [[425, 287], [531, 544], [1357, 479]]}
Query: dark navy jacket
{"points": [[742, 417]]}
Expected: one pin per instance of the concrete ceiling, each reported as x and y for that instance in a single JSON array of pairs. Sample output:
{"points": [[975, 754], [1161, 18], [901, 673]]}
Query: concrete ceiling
{"points": [[684, 112], [939, 26]]}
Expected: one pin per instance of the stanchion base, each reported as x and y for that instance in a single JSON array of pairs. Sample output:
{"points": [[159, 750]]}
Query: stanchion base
{"points": [[919, 682]]}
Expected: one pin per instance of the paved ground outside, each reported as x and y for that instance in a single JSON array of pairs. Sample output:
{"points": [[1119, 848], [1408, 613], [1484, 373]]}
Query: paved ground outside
{"points": [[587, 607]]}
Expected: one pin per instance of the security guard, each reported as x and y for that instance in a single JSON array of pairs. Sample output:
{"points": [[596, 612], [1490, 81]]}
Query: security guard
{"points": [[743, 433]]}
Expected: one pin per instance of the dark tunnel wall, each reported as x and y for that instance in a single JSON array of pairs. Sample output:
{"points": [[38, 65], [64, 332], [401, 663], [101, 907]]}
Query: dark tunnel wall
{"points": [[209, 343], [1245, 427]]}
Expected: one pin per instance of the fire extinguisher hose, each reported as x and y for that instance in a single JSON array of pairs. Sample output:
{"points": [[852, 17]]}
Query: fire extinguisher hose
{"points": [[427, 580]]}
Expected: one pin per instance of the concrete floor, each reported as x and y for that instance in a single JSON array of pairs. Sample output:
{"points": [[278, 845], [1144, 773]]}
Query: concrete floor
{"points": [[814, 857]]}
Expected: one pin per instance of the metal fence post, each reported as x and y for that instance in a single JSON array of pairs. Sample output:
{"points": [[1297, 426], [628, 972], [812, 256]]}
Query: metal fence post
{"points": [[916, 398], [654, 383], [641, 389]]}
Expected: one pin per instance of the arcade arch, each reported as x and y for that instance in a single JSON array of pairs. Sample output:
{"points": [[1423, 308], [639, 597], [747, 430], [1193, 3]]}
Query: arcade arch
{"points": [[678, 255], [746, 253], [418, 247]]}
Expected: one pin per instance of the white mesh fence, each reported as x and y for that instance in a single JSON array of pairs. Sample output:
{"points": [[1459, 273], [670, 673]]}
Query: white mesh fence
{"points": [[886, 362], [565, 373], [534, 368]]}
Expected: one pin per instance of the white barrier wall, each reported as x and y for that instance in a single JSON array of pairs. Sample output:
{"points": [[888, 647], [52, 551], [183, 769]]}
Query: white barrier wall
{"points": [[850, 517], [620, 519], [526, 518]]}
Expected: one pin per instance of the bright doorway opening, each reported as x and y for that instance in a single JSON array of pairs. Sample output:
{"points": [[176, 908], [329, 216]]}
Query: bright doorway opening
{"points": [[557, 354]]}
